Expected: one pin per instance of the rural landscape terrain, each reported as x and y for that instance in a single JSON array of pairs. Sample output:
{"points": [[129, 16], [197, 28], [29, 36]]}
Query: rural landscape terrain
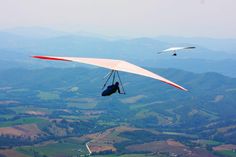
{"points": [[59, 112], [55, 109]]}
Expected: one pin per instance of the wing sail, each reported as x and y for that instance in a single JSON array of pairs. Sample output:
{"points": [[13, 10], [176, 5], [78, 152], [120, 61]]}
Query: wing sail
{"points": [[176, 49], [113, 64]]}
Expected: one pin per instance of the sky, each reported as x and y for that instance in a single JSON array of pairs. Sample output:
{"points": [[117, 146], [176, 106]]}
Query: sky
{"points": [[150, 18]]}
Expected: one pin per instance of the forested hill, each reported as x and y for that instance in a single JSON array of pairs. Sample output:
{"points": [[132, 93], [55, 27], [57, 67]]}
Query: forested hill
{"points": [[16, 47], [58, 104], [210, 91]]}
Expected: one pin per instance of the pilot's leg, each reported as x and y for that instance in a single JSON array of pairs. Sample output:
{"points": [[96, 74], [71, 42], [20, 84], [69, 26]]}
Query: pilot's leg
{"points": [[107, 92]]}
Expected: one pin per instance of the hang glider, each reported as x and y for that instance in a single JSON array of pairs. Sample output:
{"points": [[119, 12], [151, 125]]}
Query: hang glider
{"points": [[114, 66], [174, 49]]}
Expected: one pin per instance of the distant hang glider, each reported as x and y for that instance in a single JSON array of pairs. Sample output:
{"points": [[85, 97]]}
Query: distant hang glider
{"points": [[174, 49], [114, 66]]}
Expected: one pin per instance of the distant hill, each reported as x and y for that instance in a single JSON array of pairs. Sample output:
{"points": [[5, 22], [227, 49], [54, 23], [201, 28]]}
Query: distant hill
{"points": [[204, 89], [17, 45]]}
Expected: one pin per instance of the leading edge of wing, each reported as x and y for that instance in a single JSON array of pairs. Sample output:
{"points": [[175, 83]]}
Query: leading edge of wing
{"points": [[113, 64], [171, 49]]}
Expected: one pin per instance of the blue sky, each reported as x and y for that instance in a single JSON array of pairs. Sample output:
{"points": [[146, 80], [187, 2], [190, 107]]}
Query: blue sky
{"points": [[206, 18]]}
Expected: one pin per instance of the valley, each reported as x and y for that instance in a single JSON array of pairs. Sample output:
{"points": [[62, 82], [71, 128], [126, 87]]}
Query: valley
{"points": [[54, 109]]}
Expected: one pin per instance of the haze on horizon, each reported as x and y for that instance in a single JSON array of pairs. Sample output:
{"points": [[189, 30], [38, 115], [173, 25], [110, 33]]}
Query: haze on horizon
{"points": [[190, 18]]}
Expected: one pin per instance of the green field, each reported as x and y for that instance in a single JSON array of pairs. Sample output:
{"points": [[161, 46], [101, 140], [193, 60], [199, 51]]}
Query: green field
{"points": [[130, 155], [20, 121], [209, 142], [180, 134], [227, 153], [78, 117], [64, 148], [7, 116], [24, 109], [82, 105], [48, 95], [19, 90]]}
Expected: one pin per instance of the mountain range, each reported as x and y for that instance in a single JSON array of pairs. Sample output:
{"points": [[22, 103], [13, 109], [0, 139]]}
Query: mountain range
{"points": [[17, 45]]}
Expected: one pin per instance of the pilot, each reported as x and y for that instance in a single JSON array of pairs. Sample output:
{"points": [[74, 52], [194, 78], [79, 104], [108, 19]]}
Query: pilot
{"points": [[111, 89], [175, 54]]}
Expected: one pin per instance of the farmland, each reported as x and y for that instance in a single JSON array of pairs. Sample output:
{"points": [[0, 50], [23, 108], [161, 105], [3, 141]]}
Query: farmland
{"points": [[59, 117]]}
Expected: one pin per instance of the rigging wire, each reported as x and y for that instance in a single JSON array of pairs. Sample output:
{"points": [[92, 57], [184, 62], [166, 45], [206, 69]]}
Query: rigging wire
{"points": [[113, 74], [120, 81], [108, 79]]}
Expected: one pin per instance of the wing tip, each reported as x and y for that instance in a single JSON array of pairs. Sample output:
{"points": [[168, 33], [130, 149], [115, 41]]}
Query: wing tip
{"points": [[191, 47], [186, 90], [177, 86], [50, 58], [182, 88]]}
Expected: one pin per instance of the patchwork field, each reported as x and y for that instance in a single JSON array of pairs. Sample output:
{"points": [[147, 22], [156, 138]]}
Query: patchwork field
{"points": [[26, 131], [11, 153], [28, 120], [53, 116], [55, 149]]}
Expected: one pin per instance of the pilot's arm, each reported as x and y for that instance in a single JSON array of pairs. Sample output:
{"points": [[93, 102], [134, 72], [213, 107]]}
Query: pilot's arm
{"points": [[118, 88]]}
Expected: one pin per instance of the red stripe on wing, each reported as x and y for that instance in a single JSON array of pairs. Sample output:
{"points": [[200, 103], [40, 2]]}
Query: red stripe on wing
{"points": [[50, 58], [179, 87]]}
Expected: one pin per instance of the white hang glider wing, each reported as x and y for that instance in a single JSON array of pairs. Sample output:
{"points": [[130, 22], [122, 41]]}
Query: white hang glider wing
{"points": [[118, 65], [173, 49]]}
